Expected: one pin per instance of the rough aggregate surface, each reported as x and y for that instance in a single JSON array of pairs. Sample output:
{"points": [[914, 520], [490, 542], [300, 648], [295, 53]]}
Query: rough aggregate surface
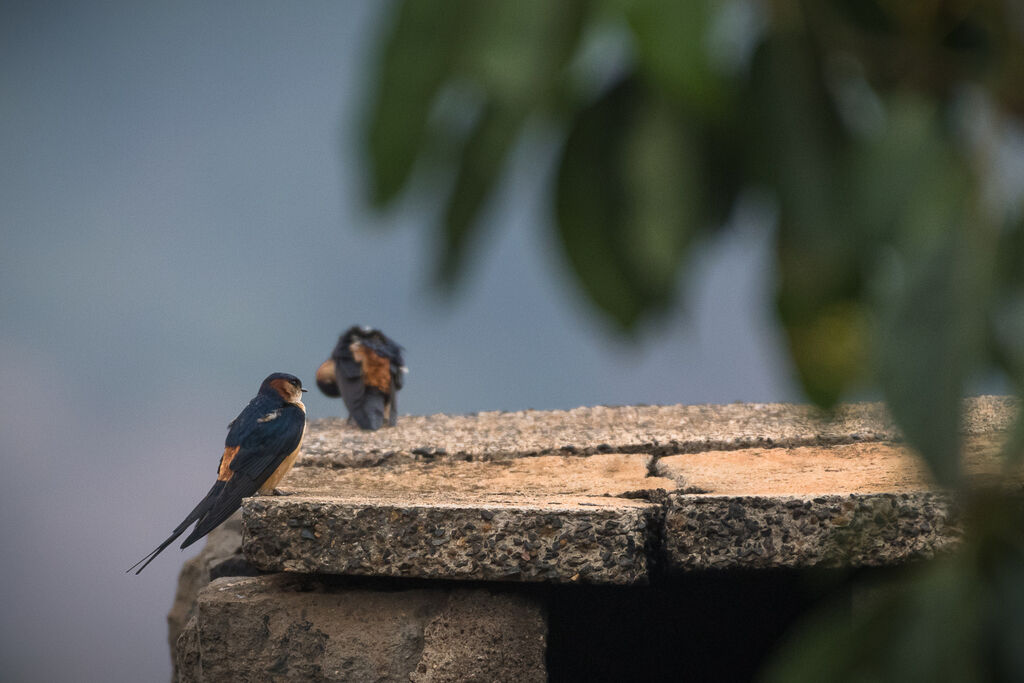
{"points": [[586, 540], [593, 495], [303, 628], [757, 532], [658, 430], [600, 495]]}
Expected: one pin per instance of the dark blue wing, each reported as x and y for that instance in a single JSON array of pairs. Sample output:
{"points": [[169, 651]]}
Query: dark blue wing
{"points": [[383, 346], [264, 440], [248, 419], [397, 376], [271, 439], [345, 364], [374, 340]]}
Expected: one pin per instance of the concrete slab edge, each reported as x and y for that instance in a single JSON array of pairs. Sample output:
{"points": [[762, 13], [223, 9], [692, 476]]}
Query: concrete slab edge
{"points": [[604, 542]]}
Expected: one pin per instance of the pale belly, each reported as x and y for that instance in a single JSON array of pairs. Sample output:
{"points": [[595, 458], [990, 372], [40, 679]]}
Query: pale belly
{"points": [[272, 481]]}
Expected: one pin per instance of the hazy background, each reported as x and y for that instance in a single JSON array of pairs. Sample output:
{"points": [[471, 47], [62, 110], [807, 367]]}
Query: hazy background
{"points": [[181, 215]]}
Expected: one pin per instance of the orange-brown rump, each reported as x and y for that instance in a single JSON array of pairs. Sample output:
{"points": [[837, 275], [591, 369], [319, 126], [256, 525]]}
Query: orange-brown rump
{"points": [[224, 471], [376, 369], [327, 378]]}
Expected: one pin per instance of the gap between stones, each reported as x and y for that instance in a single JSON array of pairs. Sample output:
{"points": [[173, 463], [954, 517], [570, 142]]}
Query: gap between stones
{"points": [[656, 450]]}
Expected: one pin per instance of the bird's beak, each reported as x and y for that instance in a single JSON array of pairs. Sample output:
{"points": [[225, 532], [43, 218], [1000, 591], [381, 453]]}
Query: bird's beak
{"points": [[305, 390]]}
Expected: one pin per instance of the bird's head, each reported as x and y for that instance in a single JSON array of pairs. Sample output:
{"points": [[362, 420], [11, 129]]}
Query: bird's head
{"points": [[288, 387]]}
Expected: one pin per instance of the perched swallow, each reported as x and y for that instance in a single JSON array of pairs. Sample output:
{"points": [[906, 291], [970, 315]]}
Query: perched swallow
{"points": [[262, 444], [366, 370]]}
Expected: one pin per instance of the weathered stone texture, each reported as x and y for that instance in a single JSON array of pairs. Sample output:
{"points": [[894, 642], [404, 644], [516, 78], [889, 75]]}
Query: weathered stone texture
{"points": [[756, 532], [221, 556], [842, 505], [301, 628], [596, 540], [813, 470], [549, 476], [659, 430], [604, 494], [480, 636], [573, 518]]}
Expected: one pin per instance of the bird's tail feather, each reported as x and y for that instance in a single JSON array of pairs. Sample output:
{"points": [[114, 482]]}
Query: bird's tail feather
{"points": [[215, 514], [369, 413], [197, 513]]}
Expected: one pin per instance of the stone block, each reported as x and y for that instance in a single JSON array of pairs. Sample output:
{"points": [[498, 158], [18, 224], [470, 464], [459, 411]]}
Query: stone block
{"points": [[302, 628], [760, 532], [564, 541], [221, 556], [814, 470], [843, 505], [558, 519], [657, 430]]}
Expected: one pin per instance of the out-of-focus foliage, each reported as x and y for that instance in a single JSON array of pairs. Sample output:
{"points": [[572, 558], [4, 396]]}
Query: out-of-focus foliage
{"points": [[885, 134], [958, 618]]}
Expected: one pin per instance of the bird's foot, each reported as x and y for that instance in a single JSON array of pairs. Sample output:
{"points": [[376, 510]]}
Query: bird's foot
{"points": [[279, 492]]}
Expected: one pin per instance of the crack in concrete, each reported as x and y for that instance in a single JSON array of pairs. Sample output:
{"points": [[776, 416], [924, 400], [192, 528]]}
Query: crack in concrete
{"points": [[656, 450]]}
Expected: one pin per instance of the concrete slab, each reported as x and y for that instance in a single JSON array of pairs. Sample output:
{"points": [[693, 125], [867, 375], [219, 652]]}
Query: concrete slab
{"points": [[590, 540], [548, 518], [817, 470], [658, 430], [691, 486], [221, 556], [758, 532], [845, 505], [552, 476]]}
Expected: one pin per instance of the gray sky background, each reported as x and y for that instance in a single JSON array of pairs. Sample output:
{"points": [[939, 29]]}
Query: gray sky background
{"points": [[180, 215]]}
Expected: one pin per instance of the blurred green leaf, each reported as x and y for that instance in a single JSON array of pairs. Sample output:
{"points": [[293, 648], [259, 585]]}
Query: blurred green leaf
{"points": [[672, 49], [924, 355], [957, 618], [1009, 334], [663, 195], [925, 629], [417, 58], [480, 166], [1007, 324], [515, 54], [1008, 314], [626, 201], [516, 51], [866, 14], [508, 56], [884, 253], [801, 147], [722, 174], [930, 286], [830, 349]]}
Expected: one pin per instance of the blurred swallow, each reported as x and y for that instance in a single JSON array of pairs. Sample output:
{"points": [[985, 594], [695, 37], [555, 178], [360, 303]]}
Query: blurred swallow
{"points": [[366, 369], [262, 445]]}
